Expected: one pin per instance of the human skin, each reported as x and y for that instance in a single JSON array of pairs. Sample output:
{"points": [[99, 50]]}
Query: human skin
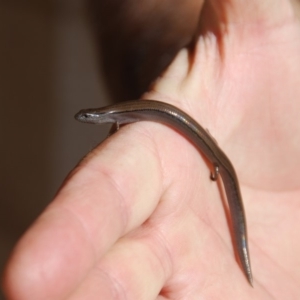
{"points": [[139, 217], [138, 40]]}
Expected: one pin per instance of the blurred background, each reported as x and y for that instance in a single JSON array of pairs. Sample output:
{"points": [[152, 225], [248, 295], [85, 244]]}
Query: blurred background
{"points": [[48, 71]]}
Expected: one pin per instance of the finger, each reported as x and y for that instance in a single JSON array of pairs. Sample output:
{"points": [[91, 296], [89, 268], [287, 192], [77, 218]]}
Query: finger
{"points": [[135, 268], [100, 202], [178, 256]]}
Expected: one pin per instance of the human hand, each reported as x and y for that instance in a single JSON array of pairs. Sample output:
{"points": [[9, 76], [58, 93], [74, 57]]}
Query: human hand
{"points": [[139, 217]]}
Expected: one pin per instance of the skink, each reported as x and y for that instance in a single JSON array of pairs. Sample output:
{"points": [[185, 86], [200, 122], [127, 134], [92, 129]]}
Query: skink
{"points": [[151, 110]]}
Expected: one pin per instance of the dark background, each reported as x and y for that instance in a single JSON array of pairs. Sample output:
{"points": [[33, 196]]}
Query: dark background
{"points": [[48, 71]]}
